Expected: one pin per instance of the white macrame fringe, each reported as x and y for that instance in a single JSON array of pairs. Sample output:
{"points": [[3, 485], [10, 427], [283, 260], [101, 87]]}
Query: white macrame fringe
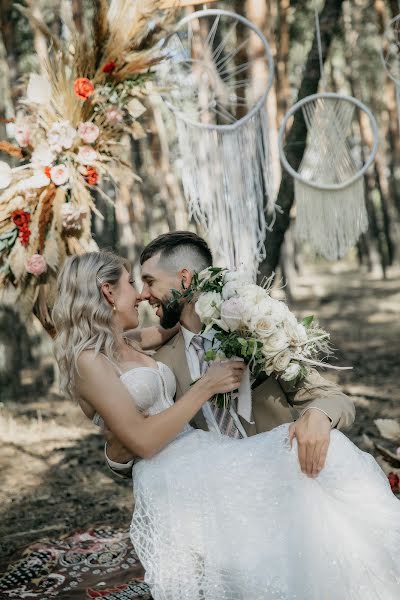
{"points": [[331, 221], [227, 179]]}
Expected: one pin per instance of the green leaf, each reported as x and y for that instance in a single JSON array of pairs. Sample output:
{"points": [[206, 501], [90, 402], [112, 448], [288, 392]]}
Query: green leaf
{"points": [[307, 321], [210, 355]]}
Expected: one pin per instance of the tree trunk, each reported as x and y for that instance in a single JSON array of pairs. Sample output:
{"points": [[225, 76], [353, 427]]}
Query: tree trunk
{"points": [[329, 17]]}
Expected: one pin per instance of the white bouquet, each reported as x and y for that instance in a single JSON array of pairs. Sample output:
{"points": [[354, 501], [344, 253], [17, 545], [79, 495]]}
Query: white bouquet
{"points": [[251, 325]]}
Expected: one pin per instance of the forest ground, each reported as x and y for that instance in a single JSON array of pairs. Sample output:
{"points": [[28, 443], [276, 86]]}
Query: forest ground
{"points": [[53, 476]]}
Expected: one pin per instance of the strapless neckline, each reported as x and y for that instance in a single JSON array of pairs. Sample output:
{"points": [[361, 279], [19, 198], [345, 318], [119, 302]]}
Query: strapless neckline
{"points": [[157, 369]]}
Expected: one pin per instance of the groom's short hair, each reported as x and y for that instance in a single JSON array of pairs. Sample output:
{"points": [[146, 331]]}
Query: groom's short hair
{"points": [[179, 249]]}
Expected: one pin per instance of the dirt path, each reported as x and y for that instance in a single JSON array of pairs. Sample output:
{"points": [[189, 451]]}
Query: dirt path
{"points": [[53, 477]]}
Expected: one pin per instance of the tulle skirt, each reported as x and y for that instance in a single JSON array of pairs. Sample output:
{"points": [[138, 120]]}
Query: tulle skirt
{"points": [[223, 519]]}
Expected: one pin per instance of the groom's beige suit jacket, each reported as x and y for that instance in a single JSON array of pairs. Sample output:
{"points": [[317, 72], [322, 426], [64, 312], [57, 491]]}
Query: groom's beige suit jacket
{"points": [[274, 402]]}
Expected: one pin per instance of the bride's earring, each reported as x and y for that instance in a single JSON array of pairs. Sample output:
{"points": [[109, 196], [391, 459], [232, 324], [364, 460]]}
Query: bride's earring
{"points": [[114, 307]]}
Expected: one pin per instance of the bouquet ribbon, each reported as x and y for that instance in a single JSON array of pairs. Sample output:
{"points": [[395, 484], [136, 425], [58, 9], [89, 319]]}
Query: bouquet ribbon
{"points": [[244, 403]]}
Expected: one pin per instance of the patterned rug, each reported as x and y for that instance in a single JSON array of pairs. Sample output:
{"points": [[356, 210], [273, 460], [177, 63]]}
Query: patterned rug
{"points": [[97, 563]]}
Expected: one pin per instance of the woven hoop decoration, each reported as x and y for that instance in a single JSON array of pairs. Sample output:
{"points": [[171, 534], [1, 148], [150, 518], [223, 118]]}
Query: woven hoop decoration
{"points": [[329, 185], [222, 128]]}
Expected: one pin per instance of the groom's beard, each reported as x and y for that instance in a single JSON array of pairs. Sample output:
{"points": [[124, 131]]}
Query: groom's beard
{"points": [[171, 314]]}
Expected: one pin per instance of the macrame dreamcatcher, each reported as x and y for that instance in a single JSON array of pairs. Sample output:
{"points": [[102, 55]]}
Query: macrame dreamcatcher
{"points": [[329, 183], [222, 128], [390, 53]]}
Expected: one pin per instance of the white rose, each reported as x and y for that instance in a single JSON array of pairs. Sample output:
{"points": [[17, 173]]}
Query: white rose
{"points": [[87, 155], [208, 307], [253, 294], [291, 329], [61, 135], [291, 372], [232, 314], [281, 361], [37, 181], [234, 282], [59, 174], [39, 89], [42, 156], [279, 310]]}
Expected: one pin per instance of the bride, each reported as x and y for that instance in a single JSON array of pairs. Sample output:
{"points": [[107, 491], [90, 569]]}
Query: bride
{"points": [[218, 518]]}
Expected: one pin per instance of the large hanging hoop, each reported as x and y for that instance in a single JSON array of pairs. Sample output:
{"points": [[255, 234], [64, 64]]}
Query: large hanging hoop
{"points": [[329, 184], [222, 128]]}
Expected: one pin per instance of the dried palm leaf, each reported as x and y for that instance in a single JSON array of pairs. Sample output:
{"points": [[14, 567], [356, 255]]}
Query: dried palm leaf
{"points": [[39, 25], [100, 29]]}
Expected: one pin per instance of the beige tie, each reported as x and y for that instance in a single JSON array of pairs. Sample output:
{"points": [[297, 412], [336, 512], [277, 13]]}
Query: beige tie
{"points": [[223, 418]]}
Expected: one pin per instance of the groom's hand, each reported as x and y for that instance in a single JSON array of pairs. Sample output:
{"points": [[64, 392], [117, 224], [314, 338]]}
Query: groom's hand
{"points": [[312, 432]]}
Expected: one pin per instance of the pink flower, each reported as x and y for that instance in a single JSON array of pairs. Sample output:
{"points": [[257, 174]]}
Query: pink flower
{"points": [[23, 135], [87, 155], [89, 132], [36, 265], [114, 115], [59, 174]]}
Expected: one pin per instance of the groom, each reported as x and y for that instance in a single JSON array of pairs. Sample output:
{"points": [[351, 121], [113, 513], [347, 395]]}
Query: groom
{"points": [[316, 405]]}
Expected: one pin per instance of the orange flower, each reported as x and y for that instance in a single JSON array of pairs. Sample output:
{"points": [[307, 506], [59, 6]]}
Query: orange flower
{"points": [[83, 88], [92, 176], [46, 171]]}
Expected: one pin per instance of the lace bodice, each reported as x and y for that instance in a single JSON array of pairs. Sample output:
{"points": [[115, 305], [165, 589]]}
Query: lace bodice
{"points": [[152, 389]]}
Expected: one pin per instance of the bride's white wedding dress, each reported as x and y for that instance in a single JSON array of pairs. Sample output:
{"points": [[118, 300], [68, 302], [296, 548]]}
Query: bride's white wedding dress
{"points": [[223, 519]]}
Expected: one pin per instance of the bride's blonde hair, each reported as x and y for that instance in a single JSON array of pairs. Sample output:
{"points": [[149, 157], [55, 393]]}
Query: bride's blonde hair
{"points": [[81, 314]]}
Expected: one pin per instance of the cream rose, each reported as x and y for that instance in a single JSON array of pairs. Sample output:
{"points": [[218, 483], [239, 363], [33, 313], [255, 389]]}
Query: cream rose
{"points": [[42, 156], [281, 361], [61, 135], [275, 343], [208, 307]]}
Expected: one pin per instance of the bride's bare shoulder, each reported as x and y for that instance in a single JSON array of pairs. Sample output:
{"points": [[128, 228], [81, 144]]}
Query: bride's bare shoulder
{"points": [[91, 362]]}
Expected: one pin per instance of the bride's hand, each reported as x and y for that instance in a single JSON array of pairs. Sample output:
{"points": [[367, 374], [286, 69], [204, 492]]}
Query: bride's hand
{"points": [[224, 376]]}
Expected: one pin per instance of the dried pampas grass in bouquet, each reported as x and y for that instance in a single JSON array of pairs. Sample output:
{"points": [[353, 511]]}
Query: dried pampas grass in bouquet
{"points": [[68, 137]]}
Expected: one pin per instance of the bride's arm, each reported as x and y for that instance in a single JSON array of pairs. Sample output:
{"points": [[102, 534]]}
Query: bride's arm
{"points": [[99, 385], [153, 337]]}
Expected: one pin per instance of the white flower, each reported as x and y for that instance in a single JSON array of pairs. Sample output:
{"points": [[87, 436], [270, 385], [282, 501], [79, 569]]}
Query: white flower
{"points": [[234, 281], [5, 175], [37, 181], [88, 132], [39, 89], [275, 343], [281, 361], [87, 155], [279, 310], [42, 156], [302, 333], [23, 134], [114, 115], [72, 216], [208, 307], [59, 174], [263, 325], [291, 372], [61, 135], [232, 314], [135, 108], [253, 294]]}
